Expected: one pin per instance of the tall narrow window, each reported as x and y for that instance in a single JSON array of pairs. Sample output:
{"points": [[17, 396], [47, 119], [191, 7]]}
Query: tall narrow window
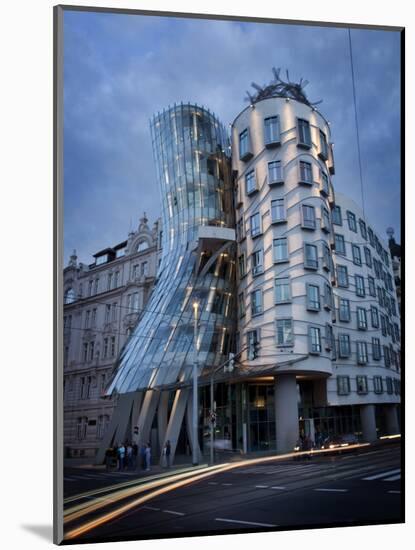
{"points": [[376, 350], [377, 384], [87, 317], [107, 312], [304, 136], [284, 332], [306, 172], [310, 256], [96, 282], [252, 338], [112, 346], [241, 304], [282, 290], [280, 250], [324, 150], [337, 215], [109, 282], [250, 182], [342, 276], [361, 384], [85, 352], [257, 260], [272, 131], [325, 219], [256, 302], [326, 257], [363, 230], [313, 297], [343, 385], [361, 353], [357, 257], [105, 348], [308, 216], [91, 350], [255, 225], [275, 174], [314, 340], [372, 286], [351, 220], [361, 318], [324, 183], [360, 285], [344, 310], [328, 296], [242, 266], [278, 213], [114, 311], [368, 256], [245, 152]]}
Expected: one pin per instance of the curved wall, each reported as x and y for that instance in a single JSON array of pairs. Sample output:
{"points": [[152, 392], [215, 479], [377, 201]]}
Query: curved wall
{"points": [[191, 152], [299, 357]]}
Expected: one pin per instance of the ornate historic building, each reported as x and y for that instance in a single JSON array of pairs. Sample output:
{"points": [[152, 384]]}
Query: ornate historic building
{"points": [[102, 303]]}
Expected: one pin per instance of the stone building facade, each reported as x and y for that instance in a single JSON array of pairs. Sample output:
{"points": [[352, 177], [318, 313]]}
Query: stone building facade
{"points": [[102, 304]]}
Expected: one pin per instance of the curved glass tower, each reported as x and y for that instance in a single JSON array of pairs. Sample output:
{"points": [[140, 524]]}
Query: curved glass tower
{"points": [[192, 158]]}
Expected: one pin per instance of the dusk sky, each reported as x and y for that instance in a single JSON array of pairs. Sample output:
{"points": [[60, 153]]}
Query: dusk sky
{"points": [[120, 69]]}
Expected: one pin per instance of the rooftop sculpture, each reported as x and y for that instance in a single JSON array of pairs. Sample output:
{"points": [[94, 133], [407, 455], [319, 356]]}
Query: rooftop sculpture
{"points": [[279, 88]]}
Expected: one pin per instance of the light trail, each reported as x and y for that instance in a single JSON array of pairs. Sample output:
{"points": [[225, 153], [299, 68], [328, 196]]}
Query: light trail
{"points": [[89, 526]]}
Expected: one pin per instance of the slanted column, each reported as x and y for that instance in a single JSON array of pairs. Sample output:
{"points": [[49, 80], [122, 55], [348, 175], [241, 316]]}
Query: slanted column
{"points": [[286, 412], [392, 424], [368, 420]]}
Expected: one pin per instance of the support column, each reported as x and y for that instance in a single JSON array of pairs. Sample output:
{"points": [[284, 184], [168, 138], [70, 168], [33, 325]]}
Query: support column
{"points": [[286, 412], [162, 417], [146, 417], [368, 420], [189, 425], [176, 420], [392, 424]]}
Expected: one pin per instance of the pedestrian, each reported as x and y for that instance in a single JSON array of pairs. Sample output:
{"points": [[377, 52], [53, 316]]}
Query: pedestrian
{"points": [[167, 453], [135, 455], [129, 456], [143, 457], [121, 456], [148, 457]]}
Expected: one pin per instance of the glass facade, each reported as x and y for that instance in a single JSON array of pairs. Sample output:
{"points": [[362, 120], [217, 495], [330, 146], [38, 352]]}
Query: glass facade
{"points": [[191, 153]]}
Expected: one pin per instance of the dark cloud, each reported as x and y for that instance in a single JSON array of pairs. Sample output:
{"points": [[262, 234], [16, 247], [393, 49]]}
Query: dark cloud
{"points": [[120, 69]]}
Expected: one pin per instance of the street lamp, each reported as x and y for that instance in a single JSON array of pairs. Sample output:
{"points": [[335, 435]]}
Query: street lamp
{"points": [[195, 457]]}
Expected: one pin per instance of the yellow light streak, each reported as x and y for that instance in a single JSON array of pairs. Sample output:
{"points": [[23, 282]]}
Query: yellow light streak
{"points": [[171, 487], [395, 436]]}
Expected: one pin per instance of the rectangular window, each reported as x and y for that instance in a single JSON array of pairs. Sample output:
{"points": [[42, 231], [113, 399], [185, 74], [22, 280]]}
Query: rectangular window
{"points": [[389, 385], [351, 220], [117, 276], [337, 215], [245, 152], [363, 231], [256, 225], [324, 150], [252, 339], [328, 296], [313, 297], [360, 285], [94, 317], [342, 276], [377, 384], [386, 356], [361, 318], [90, 285], [344, 345], [368, 256], [109, 283], [361, 353], [372, 286], [250, 182], [371, 237], [275, 174], [325, 220], [357, 257], [91, 350], [114, 311], [242, 266], [257, 260], [324, 183], [328, 337], [240, 229], [344, 310], [303, 133], [105, 350], [308, 217], [326, 257], [383, 325], [85, 353], [272, 131], [278, 214], [96, 282], [361, 384], [306, 172], [376, 351], [241, 304], [256, 302], [280, 250], [282, 290], [107, 312], [112, 346], [374, 316], [310, 256], [339, 244], [284, 332], [343, 385], [87, 316], [314, 340]]}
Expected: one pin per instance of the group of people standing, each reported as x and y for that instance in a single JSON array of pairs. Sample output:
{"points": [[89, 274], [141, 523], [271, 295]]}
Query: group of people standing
{"points": [[129, 456]]}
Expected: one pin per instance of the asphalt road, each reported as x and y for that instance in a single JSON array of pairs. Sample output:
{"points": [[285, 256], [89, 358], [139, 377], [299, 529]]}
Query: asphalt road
{"points": [[347, 489]]}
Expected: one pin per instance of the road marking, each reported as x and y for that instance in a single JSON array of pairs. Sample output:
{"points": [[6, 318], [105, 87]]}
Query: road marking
{"points": [[226, 484], [246, 522], [212, 483], [332, 490], [383, 474], [394, 492], [151, 508], [281, 488], [173, 512], [261, 486], [393, 478], [68, 479]]}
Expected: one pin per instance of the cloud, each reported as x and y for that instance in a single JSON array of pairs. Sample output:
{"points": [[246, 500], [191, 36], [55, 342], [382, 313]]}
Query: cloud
{"points": [[120, 69]]}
